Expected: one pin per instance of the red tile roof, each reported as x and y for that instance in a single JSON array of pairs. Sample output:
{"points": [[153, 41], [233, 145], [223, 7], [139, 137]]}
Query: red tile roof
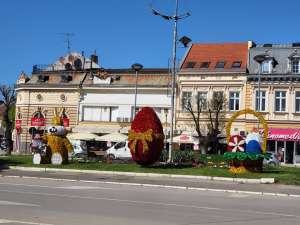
{"points": [[213, 53]]}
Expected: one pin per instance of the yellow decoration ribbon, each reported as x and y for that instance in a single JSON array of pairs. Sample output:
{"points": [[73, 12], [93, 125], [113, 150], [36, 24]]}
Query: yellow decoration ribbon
{"points": [[143, 137]]}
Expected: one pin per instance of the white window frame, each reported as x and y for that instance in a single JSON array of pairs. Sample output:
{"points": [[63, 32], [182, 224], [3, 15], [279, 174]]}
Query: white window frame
{"points": [[297, 99], [185, 99], [259, 109], [203, 100], [235, 100], [296, 61], [280, 98], [268, 64], [101, 109]]}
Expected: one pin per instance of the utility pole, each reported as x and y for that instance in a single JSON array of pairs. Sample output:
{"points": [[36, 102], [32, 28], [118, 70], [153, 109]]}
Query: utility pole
{"points": [[175, 18]]}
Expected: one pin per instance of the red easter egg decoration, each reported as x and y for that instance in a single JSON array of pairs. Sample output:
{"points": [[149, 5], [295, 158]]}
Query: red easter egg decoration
{"points": [[146, 138], [236, 144]]}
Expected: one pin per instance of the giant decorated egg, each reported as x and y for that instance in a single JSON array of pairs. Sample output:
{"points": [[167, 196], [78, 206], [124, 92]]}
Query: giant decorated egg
{"points": [[253, 136], [236, 144], [253, 146], [146, 138]]}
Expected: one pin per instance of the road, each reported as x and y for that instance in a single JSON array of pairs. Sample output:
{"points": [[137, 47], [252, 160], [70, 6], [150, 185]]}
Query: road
{"points": [[43, 201]]}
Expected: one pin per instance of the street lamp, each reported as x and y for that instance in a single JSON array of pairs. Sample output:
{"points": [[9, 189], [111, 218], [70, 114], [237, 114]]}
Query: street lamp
{"points": [[175, 18], [260, 59], [136, 67]]}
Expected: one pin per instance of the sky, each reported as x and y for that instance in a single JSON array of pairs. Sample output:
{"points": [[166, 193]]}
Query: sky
{"points": [[123, 32]]}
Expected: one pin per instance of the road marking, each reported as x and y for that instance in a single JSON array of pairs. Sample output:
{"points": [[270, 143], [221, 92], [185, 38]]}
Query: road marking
{"points": [[22, 222], [17, 204], [61, 187], [155, 203], [159, 186]]}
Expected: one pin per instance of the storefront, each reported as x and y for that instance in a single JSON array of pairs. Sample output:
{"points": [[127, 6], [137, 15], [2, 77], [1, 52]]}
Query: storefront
{"points": [[286, 143]]}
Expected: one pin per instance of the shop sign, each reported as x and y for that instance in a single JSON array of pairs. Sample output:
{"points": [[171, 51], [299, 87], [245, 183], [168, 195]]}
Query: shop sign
{"points": [[18, 124], [284, 134], [37, 122], [66, 122]]}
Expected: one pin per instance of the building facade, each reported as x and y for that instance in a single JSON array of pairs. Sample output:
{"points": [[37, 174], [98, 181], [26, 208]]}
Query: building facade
{"points": [[49, 88], [277, 78], [107, 101], [209, 69]]}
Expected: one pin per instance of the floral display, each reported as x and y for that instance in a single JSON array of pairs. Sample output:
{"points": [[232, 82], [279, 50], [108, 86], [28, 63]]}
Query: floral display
{"points": [[146, 138], [58, 146], [246, 154]]}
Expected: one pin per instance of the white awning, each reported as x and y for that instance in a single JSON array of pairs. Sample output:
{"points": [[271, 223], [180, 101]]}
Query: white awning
{"points": [[82, 136], [114, 137], [184, 139]]}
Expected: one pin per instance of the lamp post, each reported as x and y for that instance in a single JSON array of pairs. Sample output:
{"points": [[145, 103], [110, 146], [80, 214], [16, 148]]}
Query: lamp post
{"points": [[260, 59], [136, 67], [175, 18], [166, 111]]}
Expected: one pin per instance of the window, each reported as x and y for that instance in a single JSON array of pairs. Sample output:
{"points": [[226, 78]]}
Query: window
{"points": [[297, 101], [218, 100], [99, 113], [220, 64], [260, 107], [202, 98], [186, 99], [266, 66], [190, 64], [234, 101], [295, 65], [280, 101], [236, 64], [205, 64]]}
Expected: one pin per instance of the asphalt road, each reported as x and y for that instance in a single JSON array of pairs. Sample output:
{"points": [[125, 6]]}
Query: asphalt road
{"points": [[40, 201]]}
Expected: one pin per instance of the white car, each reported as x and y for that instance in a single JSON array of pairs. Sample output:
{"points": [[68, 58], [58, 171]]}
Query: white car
{"points": [[119, 151]]}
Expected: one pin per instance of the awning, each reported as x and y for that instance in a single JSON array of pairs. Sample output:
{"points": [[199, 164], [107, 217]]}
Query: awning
{"points": [[184, 139], [99, 129], [82, 136], [114, 137], [284, 134]]}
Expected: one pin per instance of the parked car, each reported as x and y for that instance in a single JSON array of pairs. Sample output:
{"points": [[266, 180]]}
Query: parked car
{"points": [[79, 149], [119, 151], [272, 161]]}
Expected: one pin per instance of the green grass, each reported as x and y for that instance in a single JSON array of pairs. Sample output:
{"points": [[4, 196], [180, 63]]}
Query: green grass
{"points": [[283, 175]]}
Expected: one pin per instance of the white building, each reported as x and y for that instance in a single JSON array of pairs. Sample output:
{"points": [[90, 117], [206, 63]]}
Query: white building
{"points": [[107, 99]]}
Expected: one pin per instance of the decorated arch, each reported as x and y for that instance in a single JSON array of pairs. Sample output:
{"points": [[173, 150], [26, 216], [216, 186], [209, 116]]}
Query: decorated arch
{"points": [[256, 114]]}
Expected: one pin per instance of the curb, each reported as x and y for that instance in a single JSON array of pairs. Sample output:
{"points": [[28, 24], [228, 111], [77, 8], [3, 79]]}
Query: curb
{"points": [[228, 179], [232, 191]]}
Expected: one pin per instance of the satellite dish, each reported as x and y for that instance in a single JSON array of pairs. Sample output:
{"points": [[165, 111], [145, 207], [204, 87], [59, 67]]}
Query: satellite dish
{"points": [[78, 64], [68, 66]]}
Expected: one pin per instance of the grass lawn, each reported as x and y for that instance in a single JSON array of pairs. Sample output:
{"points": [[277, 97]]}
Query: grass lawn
{"points": [[283, 175]]}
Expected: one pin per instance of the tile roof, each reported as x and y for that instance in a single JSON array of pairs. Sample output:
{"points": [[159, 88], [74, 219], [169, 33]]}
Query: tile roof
{"points": [[214, 53]]}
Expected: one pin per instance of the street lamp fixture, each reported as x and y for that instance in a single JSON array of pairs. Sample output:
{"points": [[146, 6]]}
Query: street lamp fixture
{"points": [[260, 59], [175, 19], [137, 68], [185, 41]]}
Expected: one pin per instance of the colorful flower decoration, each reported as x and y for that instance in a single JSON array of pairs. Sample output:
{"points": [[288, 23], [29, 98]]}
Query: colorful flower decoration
{"points": [[256, 114], [236, 144]]}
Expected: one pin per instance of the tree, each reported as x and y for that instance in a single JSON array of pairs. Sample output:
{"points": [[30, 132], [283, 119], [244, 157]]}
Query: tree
{"points": [[8, 99], [216, 119], [196, 115]]}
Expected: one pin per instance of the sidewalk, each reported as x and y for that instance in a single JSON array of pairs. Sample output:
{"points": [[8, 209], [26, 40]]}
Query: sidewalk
{"points": [[160, 180]]}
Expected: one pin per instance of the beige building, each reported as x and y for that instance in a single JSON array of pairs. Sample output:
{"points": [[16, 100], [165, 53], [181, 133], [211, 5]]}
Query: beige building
{"points": [[209, 69], [50, 87]]}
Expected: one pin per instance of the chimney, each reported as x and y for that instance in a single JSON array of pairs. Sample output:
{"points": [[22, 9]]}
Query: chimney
{"points": [[94, 58]]}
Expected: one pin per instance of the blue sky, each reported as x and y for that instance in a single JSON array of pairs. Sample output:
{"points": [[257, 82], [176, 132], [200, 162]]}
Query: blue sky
{"points": [[124, 32]]}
